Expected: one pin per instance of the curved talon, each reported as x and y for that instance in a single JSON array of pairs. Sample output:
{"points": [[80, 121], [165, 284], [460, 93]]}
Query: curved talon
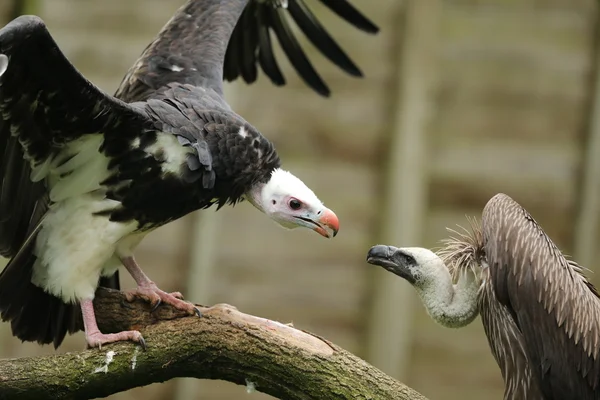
{"points": [[156, 297], [155, 306], [177, 295], [98, 339], [125, 303], [142, 343], [130, 297]]}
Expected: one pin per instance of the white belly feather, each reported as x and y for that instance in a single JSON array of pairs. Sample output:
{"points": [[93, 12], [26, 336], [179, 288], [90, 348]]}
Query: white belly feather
{"points": [[74, 247]]}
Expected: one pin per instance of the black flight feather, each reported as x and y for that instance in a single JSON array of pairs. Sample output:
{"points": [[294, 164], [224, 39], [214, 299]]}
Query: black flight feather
{"points": [[294, 51], [251, 41], [312, 28], [350, 14], [265, 50], [249, 38]]}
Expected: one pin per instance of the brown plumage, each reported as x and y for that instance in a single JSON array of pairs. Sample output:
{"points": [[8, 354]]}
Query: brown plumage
{"points": [[540, 314]]}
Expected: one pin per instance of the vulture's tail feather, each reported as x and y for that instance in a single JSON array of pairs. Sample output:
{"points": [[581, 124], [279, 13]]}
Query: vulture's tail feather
{"points": [[35, 315]]}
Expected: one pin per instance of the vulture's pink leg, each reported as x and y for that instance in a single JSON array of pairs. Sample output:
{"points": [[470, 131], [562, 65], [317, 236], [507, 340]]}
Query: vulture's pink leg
{"points": [[95, 338], [148, 290]]}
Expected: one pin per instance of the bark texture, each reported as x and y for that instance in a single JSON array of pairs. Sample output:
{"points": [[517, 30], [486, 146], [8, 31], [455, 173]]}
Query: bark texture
{"points": [[223, 344]]}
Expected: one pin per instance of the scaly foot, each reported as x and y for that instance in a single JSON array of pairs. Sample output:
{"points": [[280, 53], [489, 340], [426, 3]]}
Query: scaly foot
{"points": [[97, 339], [152, 294]]}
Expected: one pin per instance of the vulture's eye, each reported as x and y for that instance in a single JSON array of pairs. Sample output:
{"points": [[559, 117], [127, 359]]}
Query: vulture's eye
{"points": [[295, 204]]}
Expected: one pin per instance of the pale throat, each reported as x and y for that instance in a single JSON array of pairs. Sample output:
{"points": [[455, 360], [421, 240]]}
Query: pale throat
{"points": [[450, 305], [255, 196]]}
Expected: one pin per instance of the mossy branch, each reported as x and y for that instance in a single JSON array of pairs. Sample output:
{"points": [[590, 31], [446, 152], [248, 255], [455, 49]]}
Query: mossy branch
{"points": [[223, 344]]}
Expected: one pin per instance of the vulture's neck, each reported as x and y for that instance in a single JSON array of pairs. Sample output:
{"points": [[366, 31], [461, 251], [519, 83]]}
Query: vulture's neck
{"points": [[451, 305], [255, 196]]}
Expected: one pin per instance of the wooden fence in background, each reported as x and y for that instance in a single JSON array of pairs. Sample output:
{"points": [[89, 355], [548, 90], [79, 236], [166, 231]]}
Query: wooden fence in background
{"points": [[462, 99]]}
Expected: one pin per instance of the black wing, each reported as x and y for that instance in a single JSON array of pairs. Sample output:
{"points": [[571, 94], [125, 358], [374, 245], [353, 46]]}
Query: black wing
{"points": [[251, 44], [199, 45], [555, 308], [189, 49], [45, 103]]}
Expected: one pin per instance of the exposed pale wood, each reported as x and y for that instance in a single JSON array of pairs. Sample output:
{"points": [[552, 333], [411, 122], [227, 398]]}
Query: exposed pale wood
{"points": [[224, 344], [587, 234], [389, 336]]}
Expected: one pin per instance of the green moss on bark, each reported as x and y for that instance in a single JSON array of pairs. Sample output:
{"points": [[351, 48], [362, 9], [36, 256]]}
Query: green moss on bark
{"points": [[224, 344]]}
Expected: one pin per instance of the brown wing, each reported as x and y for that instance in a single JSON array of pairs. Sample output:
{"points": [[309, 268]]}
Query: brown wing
{"points": [[550, 301], [508, 346]]}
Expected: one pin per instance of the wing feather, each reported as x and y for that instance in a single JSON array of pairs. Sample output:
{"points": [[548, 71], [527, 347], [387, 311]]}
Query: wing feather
{"points": [[265, 16], [266, 58], [350, 14], [552, 303], [249, 41], [45, 103], [508, 346], [189, 49], [207, 41], [314, 31], [294, 51]]}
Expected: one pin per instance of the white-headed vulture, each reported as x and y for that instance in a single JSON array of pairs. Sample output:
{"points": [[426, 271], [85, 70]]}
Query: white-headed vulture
{"points": [[86, 175]]}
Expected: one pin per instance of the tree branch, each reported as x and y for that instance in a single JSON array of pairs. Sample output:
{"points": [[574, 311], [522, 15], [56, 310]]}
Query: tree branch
{"points": [[223, 344]]}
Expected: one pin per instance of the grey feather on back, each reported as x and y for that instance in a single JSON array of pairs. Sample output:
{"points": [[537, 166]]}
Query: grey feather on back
{"points": [[203, 153]]}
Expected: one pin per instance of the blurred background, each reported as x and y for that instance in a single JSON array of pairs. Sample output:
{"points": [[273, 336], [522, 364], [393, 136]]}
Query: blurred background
{"points": [[461, 99]]}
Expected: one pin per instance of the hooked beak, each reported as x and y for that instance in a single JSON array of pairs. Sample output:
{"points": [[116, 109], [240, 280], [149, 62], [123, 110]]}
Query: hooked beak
{"points": [[386, 257], [382, 255], [327, 219]]}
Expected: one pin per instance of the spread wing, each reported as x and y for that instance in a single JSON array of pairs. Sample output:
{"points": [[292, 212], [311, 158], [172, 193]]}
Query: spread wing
{"points": [[45, 104], [189, 49], [553, 305], [250, 45], [208, 40]]}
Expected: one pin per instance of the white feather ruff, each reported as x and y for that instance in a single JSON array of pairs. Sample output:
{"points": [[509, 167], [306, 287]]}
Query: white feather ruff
{"points": [[74, 247]]}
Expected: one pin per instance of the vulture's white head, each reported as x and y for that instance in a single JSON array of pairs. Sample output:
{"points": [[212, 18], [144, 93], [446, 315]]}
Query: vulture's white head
{"points": [[290, 203]]}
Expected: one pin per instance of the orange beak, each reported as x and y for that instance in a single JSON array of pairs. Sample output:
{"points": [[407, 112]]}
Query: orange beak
{"points": [[329, 220]]}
